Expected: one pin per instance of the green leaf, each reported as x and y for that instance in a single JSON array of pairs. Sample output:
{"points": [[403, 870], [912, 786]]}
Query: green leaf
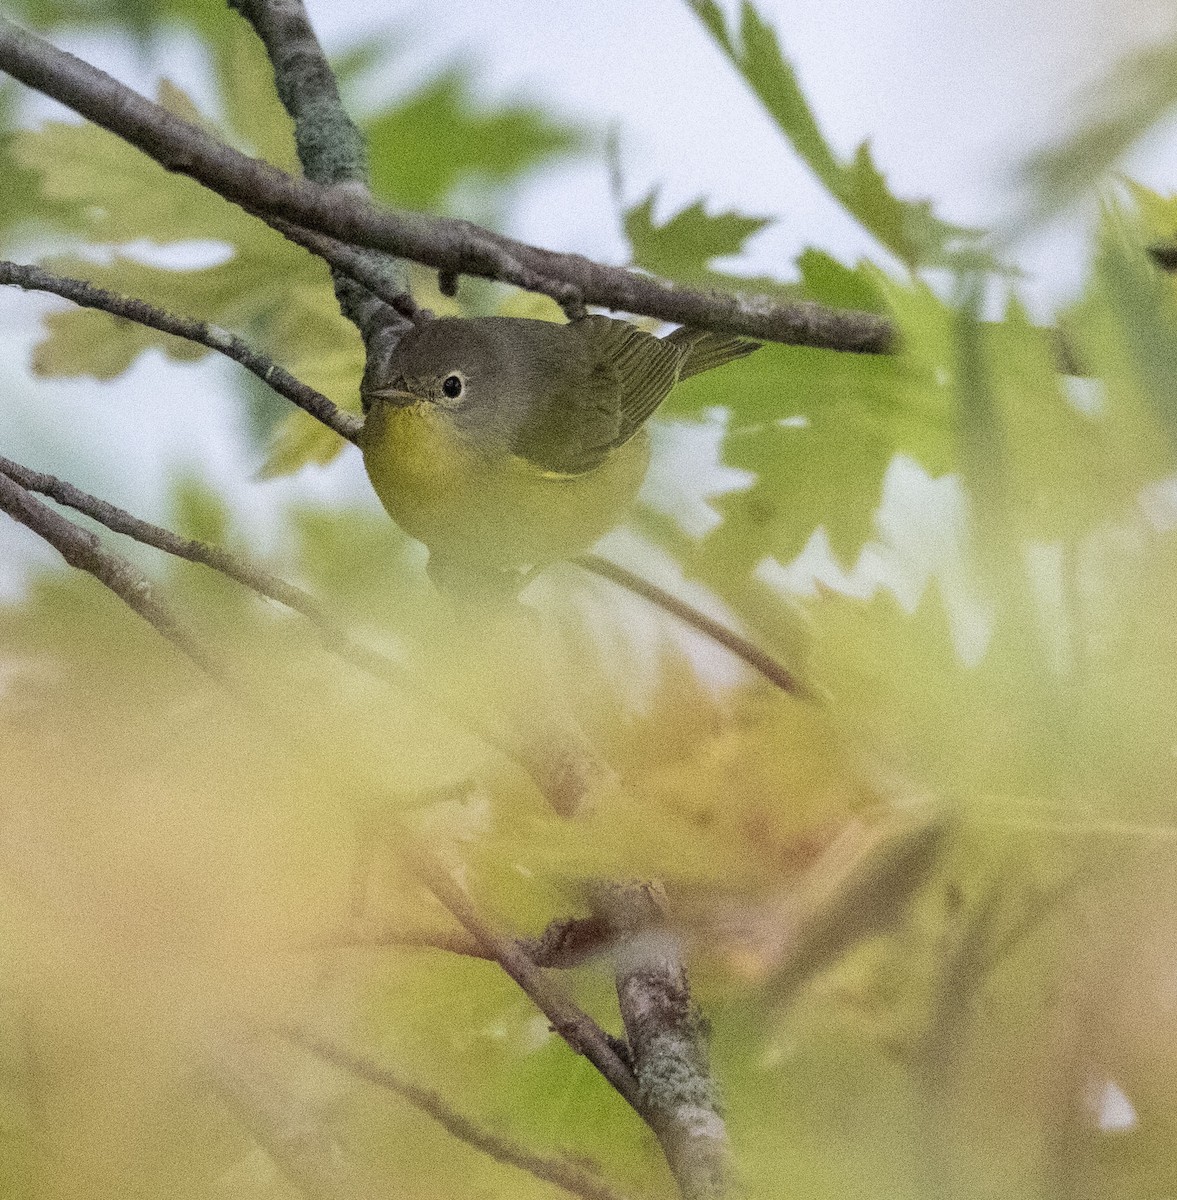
{"points": [[422, 149], [828, 281], [254, 116], [1142, 301], [818, 431], [21, 204], [297, 441], [471, 1033], [683, 246], [819, 460], [125, 195], [909, 229], [1063, 477], [269, 290], [83, 341], [141, 18]]}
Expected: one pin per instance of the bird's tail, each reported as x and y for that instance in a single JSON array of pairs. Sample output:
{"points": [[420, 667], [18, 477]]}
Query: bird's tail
{"points": [[707, 350]]}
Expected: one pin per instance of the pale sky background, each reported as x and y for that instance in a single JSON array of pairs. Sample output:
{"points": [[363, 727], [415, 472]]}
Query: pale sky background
{"points": [[953, 94]]}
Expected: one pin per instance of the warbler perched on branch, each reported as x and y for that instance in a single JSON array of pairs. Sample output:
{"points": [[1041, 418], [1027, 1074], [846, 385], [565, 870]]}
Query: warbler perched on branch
{"points": [[505, 444]]}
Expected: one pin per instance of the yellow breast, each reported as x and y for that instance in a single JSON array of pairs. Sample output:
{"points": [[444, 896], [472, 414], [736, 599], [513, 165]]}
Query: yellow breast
{"points": [[414, 455], [501, 513]]}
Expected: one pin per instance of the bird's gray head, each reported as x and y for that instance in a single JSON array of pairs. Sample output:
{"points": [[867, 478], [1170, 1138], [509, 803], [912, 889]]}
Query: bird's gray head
{"points": [[485, 373]]}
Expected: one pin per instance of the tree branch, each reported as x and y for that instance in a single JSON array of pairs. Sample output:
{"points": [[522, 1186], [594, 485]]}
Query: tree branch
{"points": [[35, 279], [447, 245], [775, 672], [562, 1172], [667, 1039], [574, 1025], [120, 521], [330, 147], [669, 1083], [356, 264], [82, 549], [566, 942]]}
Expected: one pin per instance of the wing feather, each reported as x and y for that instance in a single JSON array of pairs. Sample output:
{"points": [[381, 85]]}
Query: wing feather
{"points": [[611, 376], [704, 351], [646, 368], [596, 382]]}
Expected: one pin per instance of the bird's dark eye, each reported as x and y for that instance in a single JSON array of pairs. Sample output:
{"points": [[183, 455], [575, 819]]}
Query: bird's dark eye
{"points": [[452, 386]]}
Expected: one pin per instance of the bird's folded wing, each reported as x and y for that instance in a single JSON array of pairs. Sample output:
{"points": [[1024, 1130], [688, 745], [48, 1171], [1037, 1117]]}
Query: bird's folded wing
{"points": [[612, 377]]}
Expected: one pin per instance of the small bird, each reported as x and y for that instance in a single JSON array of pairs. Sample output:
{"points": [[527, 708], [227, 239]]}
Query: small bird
{"points": [[506, 444]]}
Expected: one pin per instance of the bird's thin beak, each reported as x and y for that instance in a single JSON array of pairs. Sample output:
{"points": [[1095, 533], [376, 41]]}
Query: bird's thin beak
{"points": [[397, 397]]}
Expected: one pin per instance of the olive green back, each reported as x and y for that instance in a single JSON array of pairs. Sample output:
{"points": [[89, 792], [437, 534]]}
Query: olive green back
{"points": [[560, 396]]}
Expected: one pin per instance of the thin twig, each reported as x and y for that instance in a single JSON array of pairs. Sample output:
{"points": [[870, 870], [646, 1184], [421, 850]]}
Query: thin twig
{"points": [[448, 245], [118, 520], [82, 549], [569, 1176], [448, 940], [36, 279], [574, 1025], [566, 942], [246, 573], [775, 672]]}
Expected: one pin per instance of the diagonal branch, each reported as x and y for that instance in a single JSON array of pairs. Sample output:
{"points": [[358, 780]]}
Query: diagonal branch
{"points": [[330, 146], [450, 246], [245, 573], [118, 520], [355, 264], [35, 279], [574, 1025], [775, 672], [564, 1173], [82, 549]]}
